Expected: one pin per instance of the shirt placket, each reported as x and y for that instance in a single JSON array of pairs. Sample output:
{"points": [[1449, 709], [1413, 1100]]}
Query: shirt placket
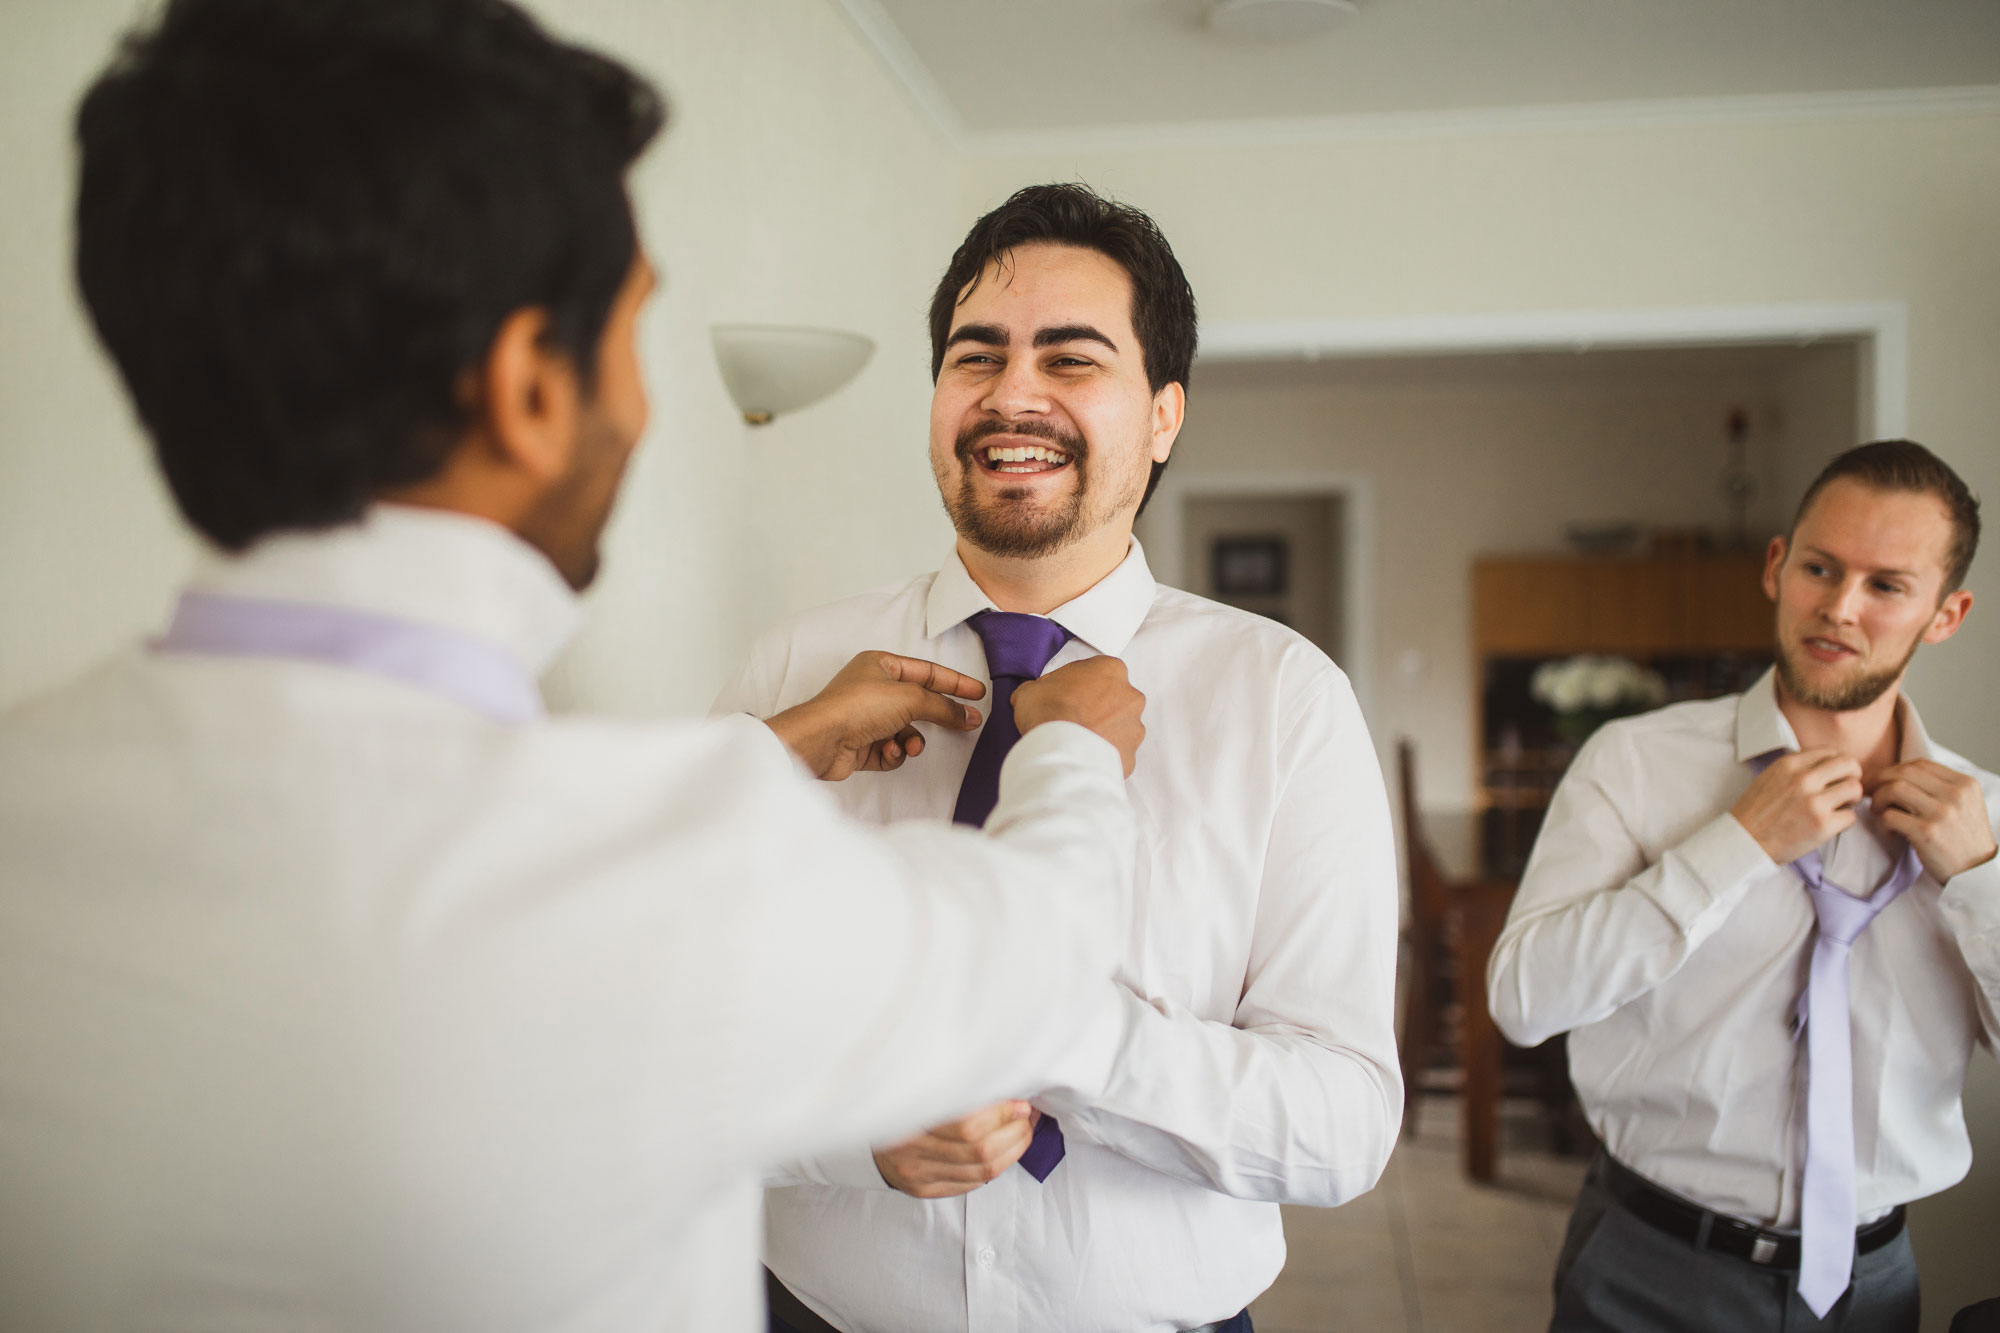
{"points": [[992, 1258]]}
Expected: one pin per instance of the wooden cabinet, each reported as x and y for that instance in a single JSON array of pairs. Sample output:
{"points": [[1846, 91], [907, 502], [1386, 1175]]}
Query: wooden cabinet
{"points": [[1553, 605]]}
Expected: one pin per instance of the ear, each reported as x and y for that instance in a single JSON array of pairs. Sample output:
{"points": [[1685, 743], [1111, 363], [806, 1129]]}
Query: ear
{"points": [[529, 398], [1774, 560], [1950, 615], [1169, 409]]}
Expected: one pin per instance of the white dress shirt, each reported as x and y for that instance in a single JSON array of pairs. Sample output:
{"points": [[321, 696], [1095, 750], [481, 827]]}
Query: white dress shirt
{"points": [[1653, 928], [327, 1003], [1260, 1061]]}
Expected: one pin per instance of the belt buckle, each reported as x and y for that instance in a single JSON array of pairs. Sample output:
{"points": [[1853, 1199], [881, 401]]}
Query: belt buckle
{"points": [[1763, 1250]]}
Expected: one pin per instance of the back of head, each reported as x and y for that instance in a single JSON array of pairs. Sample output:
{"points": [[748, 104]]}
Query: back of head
{"points": [[1907, 467], [1163, 308], [299, 223]]}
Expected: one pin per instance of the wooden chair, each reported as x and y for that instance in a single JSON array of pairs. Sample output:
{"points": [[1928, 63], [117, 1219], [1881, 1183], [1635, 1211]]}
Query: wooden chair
{"points": [[1453, 924]]}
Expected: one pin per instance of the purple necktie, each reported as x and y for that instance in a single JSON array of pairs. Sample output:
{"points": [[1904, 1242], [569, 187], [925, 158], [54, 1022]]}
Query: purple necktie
{"points": [[475, 672], [1827, 1205], [1018, 649]]}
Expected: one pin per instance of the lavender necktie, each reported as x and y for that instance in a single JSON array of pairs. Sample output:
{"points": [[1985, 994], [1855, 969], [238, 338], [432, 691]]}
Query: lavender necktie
{"points": [[1018, 649], [1827, 1205], [475, 672], [1826, 1198]]}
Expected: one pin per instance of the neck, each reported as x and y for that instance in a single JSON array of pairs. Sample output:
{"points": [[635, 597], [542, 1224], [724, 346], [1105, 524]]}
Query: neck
{"points": [[1037, 585], [1871, 735]]}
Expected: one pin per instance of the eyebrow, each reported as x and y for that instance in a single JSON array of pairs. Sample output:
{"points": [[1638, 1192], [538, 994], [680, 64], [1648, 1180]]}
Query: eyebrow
{"points": [[992, 335], [1832, 559]]}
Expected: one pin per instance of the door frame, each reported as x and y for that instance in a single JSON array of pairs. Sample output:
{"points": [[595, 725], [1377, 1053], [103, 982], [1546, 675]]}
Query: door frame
{"points": [[1882, 412], [1353, 556]]}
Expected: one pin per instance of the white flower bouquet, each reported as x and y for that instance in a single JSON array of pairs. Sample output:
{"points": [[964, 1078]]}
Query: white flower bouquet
{"points": [[1587, 691]]}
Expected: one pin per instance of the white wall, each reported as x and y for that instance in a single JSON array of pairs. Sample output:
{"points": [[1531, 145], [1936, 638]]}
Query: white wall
{"points": [[794, 185], [1860, 209], [1614, 218], [1470, 457]]}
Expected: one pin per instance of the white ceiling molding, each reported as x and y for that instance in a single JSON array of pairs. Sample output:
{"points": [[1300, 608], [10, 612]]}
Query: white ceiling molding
{"points": [[1981, 100], [1886, 324], [907, 67], [880, 32]]}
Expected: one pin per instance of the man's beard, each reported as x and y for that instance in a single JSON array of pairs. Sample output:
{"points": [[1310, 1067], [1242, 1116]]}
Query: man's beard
{"points": [[1843, 696], [1009, 525], [567, 523]]}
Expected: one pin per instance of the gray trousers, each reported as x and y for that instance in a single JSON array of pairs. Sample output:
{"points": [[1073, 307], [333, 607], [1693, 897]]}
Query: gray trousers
{"points": [[1618, 1274]]}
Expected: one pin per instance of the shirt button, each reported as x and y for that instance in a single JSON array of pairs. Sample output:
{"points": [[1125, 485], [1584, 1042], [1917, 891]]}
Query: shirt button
{"points": [[987, 1257]]}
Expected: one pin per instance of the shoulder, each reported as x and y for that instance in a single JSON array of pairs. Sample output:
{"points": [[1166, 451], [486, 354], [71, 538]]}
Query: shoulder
{"points": [[802, 651], [1192, 643], [1954, 760], [1698, 732], [876, 610]]}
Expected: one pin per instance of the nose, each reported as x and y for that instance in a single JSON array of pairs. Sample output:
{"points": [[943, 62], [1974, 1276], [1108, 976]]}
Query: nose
{"points": [[1017, 391], [1843, 602]]}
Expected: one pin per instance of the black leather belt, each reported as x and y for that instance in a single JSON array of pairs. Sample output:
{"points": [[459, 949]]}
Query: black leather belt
{"points": [[1707, 1230]]}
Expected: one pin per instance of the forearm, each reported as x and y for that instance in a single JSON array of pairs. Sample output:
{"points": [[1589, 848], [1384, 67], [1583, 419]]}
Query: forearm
{"points": [[1970, 905], [1584, 938], [1271, 1113], [940, 969]]}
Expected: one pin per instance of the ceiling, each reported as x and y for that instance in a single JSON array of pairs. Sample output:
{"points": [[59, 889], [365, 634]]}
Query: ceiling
{"points": [[1045, 68]]}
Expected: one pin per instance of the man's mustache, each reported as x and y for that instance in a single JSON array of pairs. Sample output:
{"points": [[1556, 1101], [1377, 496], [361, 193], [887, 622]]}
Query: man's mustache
{"points": [[969, 438]]}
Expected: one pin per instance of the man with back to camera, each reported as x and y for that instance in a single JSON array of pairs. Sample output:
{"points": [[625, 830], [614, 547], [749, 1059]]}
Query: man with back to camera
{"points": [[1771, 925], [1259, 1064], [339, 988]]}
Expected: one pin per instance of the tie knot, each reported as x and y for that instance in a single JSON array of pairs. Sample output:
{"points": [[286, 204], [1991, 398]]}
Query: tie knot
{"points": [[1017, 645]]}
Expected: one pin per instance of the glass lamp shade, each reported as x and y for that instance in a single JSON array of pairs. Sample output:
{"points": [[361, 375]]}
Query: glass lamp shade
{"points": [[773, 368]]}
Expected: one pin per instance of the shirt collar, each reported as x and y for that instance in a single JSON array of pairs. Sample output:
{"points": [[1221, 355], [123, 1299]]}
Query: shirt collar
{"points": [[433, 566], [1761, 726], [1105, 617]]}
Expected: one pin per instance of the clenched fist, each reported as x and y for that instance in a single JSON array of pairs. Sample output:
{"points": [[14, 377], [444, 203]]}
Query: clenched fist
{"points": [[960, 1157], [1094, 693]]}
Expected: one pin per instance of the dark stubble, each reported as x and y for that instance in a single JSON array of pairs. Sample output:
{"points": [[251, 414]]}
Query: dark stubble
{"points": [[1010, 524], [1845, 696]]}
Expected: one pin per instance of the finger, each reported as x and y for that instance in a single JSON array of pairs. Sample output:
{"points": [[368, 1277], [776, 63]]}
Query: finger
{"points": [[1904, 795], [1901, 822], [876, 759], [930, 706], [949, 1159], [931, 675], [1831, 767], [974, 1163], [1842, 795], [983, 1121], [911, 740], [1934, 780]]}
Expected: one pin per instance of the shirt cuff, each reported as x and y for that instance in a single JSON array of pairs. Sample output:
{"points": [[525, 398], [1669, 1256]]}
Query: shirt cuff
{"points": [[853, 1168], [1970, 902], [1064, 741], [1723, 861]]}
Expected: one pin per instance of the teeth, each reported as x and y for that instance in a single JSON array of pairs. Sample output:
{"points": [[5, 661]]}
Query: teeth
{"points": [[1025, 454]]}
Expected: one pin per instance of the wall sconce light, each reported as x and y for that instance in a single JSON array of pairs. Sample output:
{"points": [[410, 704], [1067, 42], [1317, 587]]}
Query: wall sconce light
{"points": [[773, 368]]}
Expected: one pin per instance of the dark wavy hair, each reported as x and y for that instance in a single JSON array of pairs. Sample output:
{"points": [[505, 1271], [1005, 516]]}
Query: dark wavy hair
{"points": [[1163, 310], [299, 222], [1905, 465]]}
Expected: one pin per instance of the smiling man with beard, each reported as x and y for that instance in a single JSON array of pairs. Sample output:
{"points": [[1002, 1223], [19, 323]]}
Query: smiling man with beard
{"points": [[1771, 925], [1257, 1064]]}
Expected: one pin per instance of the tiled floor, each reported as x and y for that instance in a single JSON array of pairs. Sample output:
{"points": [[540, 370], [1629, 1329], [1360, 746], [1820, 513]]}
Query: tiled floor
{"points": [[1427, 1251]]}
